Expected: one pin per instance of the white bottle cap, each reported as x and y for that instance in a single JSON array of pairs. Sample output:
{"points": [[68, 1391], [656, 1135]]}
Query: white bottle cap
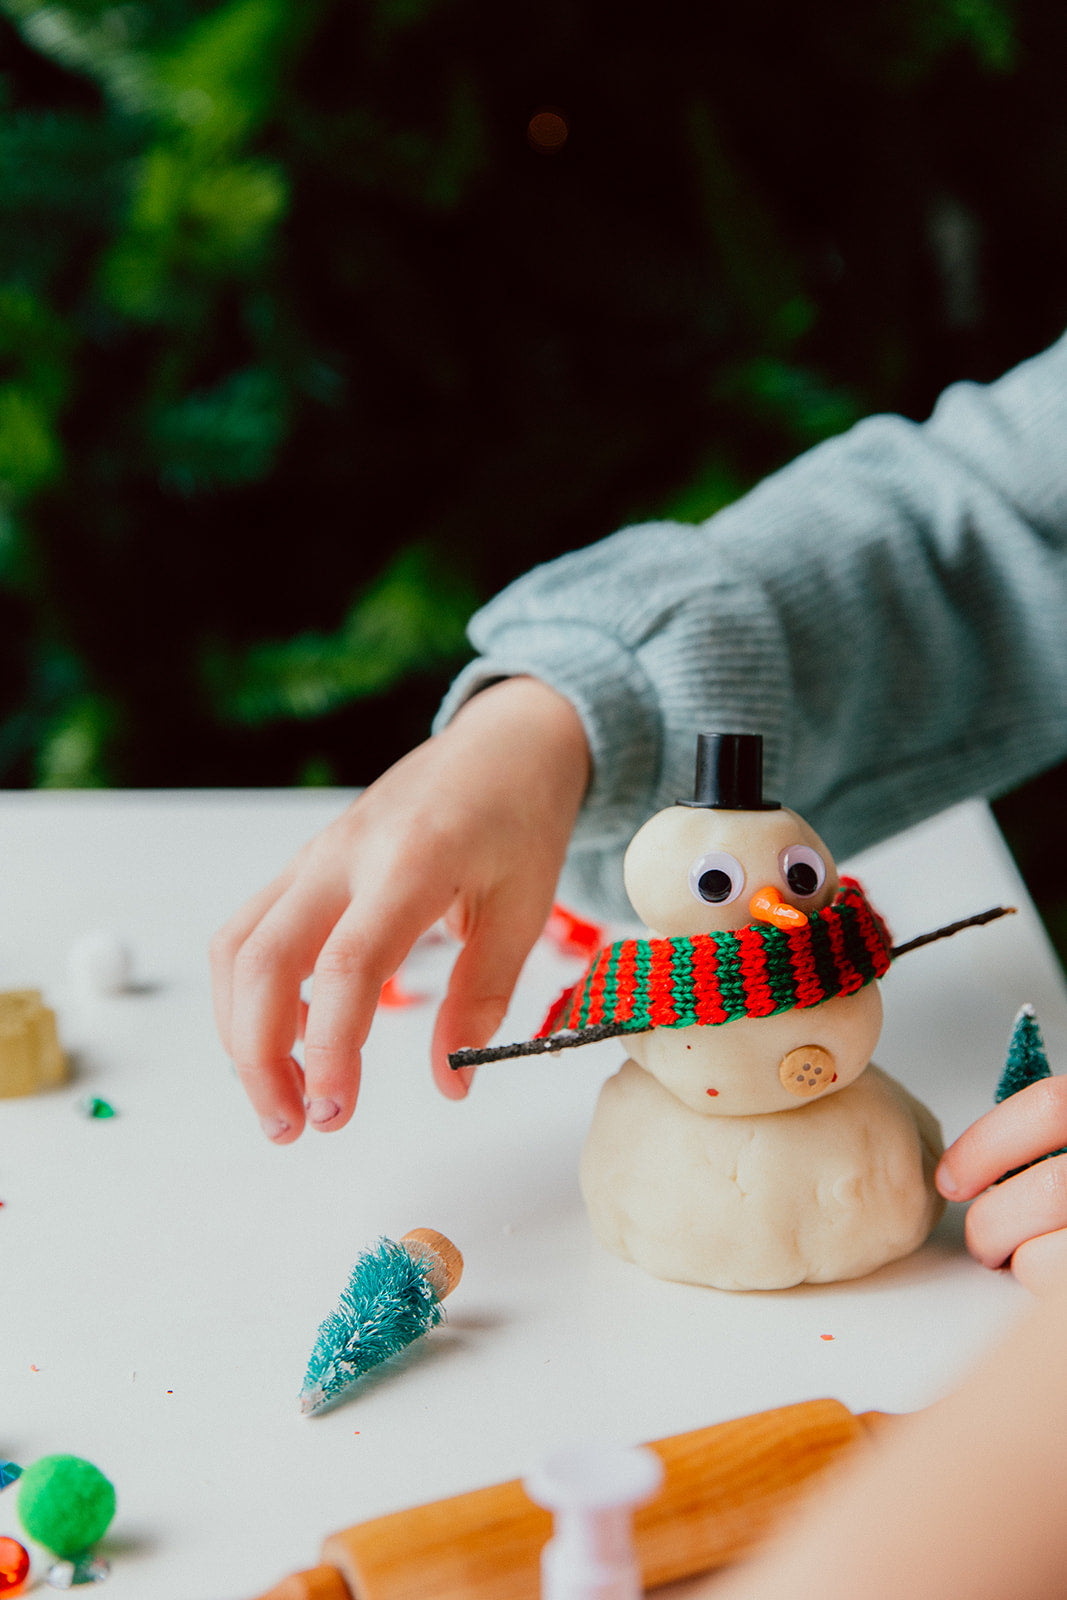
{"points": [[592, 1492]]}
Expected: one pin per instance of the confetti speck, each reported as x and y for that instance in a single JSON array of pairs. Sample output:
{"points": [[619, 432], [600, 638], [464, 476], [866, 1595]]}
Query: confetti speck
{"points": [[828, 1336], [93, 1107]]}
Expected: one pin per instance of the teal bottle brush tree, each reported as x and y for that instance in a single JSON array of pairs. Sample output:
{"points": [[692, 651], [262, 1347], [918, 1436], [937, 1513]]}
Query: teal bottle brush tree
{"points": [[1026, 1063], [392, 1298]]}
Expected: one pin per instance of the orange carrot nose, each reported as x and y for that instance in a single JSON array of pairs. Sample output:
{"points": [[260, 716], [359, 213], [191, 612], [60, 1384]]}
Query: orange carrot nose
{"points": [[767, 905]]}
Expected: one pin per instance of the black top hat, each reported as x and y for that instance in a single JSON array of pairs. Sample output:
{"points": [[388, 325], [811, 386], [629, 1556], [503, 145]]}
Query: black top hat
{"points": [[730, 773]]}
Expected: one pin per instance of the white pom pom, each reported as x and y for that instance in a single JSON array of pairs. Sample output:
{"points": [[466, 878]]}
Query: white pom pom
{"points": [[99, 963]]}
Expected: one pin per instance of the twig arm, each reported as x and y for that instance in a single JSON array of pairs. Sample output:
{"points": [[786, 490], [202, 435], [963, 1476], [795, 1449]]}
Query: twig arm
{"points": [[569, 1039], [977, 921]]}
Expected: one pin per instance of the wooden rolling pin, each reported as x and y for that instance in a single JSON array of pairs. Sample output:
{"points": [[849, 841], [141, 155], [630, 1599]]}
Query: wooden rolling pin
{"points": [[725, 1488]]}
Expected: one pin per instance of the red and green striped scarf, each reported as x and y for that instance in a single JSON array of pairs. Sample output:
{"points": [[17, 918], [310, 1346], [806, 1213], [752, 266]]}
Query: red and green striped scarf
{"points": [[637, 984]]}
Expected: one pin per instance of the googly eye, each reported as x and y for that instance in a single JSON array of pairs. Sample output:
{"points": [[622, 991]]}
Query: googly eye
{"points": [[803, 869], [716, 878]]}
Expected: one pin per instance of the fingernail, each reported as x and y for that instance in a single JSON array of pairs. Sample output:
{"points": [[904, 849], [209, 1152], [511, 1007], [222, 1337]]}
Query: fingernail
{"points": [[455, 1084], [945, 1182], [320, 1111], [274, 1127]]}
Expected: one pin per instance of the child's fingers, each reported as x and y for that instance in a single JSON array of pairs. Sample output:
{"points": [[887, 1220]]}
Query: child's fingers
{"points": [[1041, 1264], [1023, 1128], [1033, 1202], [483, 978], [226, 943], [265, 1001], [275, 1090], [365, 948]]}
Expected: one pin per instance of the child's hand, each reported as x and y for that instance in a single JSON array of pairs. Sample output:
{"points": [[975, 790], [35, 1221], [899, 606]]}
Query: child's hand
{"points": [[1023, 1220], [471, 826]]}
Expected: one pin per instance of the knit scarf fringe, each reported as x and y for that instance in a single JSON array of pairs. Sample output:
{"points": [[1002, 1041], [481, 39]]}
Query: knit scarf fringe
{"points": [[755, 971]]}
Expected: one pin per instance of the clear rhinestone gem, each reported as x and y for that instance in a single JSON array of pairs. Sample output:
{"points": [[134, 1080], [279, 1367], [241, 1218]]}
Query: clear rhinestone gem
{"points": [[72, 1574]]}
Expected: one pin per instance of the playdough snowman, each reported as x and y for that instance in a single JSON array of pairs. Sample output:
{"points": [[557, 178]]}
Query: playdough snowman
{"points": [[748, 1142]]}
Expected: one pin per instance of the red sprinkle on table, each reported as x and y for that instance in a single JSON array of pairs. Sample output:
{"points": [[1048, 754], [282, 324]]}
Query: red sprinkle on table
{"points": [[573, 935], [712, 1091], [394, 997]]}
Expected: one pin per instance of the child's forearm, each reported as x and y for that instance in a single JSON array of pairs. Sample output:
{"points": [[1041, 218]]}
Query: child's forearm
{"points": [[965, 1501], [887, 611]]}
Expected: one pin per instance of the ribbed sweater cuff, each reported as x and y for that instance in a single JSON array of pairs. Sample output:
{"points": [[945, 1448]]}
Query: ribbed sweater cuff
{"points": [[611, 694]]}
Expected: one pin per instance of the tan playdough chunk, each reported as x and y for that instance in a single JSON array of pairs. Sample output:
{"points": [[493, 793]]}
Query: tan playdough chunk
{"points": [[30, 1053]]}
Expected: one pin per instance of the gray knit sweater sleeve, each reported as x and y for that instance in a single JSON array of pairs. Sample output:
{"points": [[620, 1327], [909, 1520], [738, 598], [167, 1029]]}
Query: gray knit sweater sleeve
{"points": [[889, 611]]}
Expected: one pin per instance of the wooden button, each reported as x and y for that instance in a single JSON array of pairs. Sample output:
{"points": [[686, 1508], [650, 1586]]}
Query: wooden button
{"points": [[806, 1071]]}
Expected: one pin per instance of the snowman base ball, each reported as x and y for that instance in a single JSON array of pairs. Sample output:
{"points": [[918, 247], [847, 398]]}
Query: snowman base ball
{"points": [[829, 1191], [749, 1143]]}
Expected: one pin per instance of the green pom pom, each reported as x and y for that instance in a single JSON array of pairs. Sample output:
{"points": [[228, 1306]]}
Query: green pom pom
{"points": [[65, 1503]]}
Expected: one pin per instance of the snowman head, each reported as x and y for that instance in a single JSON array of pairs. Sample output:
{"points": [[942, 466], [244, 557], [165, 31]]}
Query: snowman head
{"points": [[728, 857]]}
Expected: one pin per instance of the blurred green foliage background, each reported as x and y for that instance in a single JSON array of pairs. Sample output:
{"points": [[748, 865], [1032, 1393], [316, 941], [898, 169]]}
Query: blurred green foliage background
{"points": [[311, 337]]}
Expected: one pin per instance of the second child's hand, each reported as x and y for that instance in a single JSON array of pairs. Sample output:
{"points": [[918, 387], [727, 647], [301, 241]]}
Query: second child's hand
{"points": [[1023, 1221]]}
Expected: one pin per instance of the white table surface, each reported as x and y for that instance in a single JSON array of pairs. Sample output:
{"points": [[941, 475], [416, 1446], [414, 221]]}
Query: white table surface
{"points": [[165, 1272]]}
